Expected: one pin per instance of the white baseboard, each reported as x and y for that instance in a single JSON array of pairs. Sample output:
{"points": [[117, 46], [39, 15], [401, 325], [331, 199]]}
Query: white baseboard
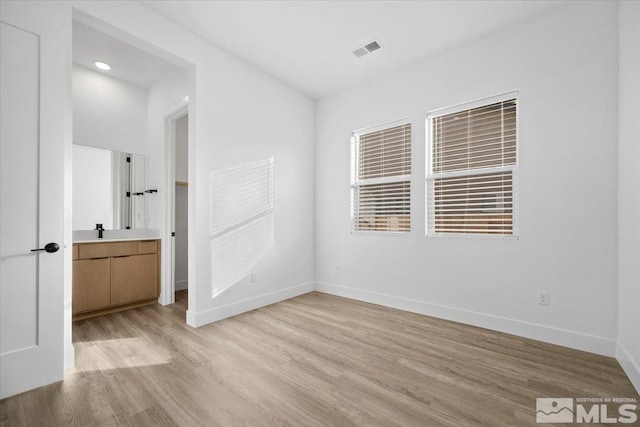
{"points": [[563, 337], [218, 313], [191, 318], [629, 364], [69, 355]]}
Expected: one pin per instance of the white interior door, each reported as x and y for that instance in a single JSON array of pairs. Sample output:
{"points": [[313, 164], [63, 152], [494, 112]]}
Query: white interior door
{"points": [[32, 138]]}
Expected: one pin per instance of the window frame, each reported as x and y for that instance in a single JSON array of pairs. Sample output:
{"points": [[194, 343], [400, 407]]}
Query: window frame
{"points": [[356, 183], [514, 169]]}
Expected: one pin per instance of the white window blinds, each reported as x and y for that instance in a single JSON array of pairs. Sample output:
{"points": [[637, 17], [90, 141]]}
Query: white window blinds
{"points": [[472, 173], [381, 179]]}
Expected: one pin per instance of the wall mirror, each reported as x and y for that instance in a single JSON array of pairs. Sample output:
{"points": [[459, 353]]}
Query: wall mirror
{"points": [[108, 189]]}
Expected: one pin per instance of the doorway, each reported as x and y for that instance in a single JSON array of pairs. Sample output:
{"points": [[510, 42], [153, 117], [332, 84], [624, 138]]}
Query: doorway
{"points": [[137, 84], [178, 125]]}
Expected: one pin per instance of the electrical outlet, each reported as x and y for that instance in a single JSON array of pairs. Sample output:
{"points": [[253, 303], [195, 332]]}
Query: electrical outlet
{"points": [[338, 269], [543, 297], [254, 277]]}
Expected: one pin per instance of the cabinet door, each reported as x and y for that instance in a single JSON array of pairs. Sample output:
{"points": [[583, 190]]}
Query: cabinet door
{"points": [[134, 278], [91, 284]]}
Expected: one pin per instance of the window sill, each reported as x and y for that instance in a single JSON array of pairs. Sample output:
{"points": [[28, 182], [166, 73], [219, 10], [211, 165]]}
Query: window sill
{"points": [[380, 233], [474, 236]]}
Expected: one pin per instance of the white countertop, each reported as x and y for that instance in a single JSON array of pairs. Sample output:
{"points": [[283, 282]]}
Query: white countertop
{"points": [[91, 236], [114, 239]]}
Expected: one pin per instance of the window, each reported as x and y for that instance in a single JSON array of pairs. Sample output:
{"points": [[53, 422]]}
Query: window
{"points": [[381, 178], [473, 168]]}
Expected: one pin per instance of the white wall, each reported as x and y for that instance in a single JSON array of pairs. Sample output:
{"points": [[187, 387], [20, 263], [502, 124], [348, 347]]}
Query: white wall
{"points": [[164, 95], [238, 114], [628, 351], [182, 238], [181, 201], [564, 65], [182, 140], [108, 112]]}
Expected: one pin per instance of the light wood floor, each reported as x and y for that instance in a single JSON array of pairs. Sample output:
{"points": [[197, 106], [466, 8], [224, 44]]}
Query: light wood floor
{"points": [[315, 360]]}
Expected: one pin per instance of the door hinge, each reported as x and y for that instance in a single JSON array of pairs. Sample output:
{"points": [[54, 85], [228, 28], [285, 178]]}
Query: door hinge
{"points": [[173, 234]]}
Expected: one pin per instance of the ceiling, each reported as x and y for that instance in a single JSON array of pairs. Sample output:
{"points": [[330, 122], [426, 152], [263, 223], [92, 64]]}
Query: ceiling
{"points": [[308, 44], [127, 62]]}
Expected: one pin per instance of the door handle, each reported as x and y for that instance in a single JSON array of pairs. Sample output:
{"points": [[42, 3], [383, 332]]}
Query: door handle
{"points": [[49, 247]]}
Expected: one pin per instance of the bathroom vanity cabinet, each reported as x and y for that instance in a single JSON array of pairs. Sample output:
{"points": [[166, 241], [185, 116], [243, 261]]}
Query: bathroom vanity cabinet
{"points": [[114, 276]]}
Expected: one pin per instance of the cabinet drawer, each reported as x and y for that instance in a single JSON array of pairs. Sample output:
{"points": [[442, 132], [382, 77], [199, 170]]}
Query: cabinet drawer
{"points": [[148, 247], [105, 250], [74, 252], [91, 284]]}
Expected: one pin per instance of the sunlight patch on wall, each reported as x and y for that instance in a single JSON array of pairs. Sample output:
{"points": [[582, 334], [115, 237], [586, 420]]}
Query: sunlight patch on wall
{"points": [[242, 221]]}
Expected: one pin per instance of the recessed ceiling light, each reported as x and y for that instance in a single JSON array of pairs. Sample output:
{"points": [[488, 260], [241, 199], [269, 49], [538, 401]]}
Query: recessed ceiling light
{"points": [[102, 65]]}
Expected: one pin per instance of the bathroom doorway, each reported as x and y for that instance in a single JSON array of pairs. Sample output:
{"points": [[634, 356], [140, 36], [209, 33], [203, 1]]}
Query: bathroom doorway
{"points": [[122, 91]]}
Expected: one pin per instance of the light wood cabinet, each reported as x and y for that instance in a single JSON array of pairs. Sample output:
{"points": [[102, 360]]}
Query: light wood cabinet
{"points": [[148, 247], [134, 278], [105, 250], [114, 276], [91, 284]]}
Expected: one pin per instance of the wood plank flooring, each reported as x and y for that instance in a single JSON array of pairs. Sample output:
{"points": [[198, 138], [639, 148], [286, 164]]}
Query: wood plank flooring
{"points": [[314, 360]]}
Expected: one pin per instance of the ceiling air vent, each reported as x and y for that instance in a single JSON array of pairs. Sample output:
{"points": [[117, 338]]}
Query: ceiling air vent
{"points": [[372, 46], [367, 48], [360, 52]]}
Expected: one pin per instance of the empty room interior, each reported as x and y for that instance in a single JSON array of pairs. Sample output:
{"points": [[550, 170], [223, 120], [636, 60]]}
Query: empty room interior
{"points": [[320, 213]]}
